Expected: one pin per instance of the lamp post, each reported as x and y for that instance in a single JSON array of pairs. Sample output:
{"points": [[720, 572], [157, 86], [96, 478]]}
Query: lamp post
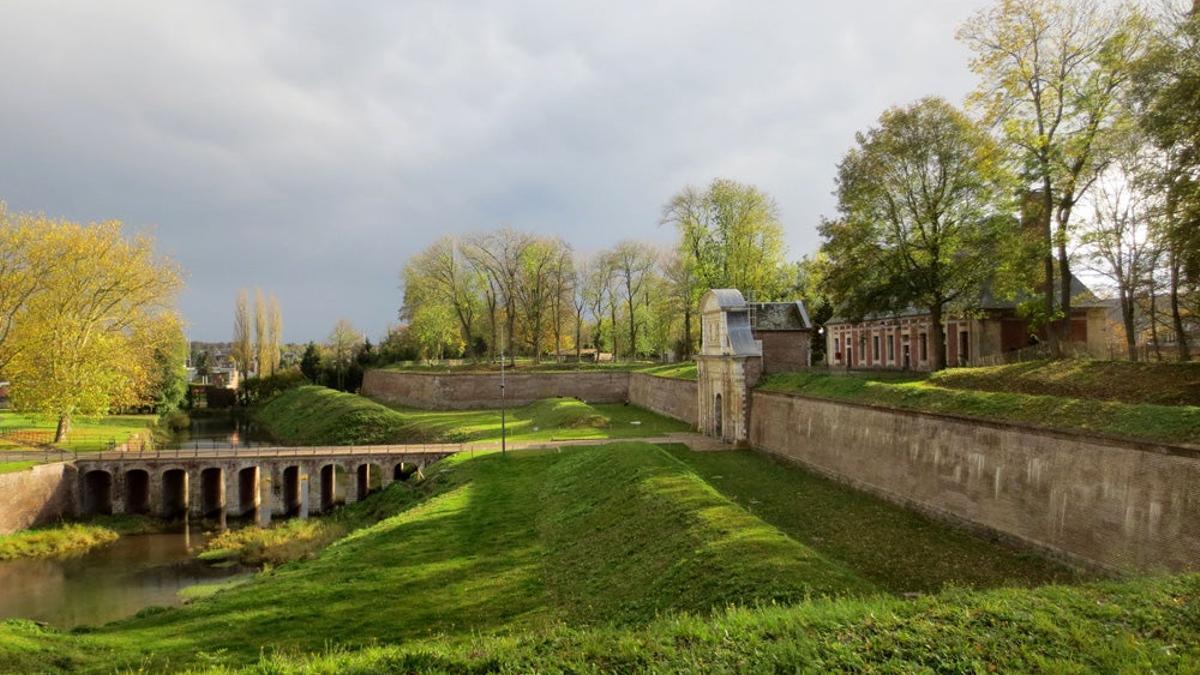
{"points": [[503, 410]]}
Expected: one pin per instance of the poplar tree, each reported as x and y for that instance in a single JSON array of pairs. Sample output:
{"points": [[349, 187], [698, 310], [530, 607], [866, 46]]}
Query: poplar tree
{"points": [[243, 349]]}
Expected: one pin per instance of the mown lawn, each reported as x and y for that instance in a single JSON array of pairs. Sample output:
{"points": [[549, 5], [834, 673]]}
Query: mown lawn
{"points": [[1139, 421], [87, 434], [1167, 383], [685, 370], [314, 415], [899, 550], [625, 558], [13, 467]]}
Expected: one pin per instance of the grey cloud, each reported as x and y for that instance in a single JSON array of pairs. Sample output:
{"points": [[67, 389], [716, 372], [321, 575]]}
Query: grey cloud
{"points": [[310, 147]]}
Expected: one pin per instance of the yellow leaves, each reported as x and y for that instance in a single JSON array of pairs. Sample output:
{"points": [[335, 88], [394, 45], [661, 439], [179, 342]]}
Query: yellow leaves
{"points": [[84, 340]]}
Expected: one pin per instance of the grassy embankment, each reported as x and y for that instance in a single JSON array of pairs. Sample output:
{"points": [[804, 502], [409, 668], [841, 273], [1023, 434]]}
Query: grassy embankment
{"points": [[627, 557], [69, 539], [1097, 397], [87, 435], [13, 467], [684, 370], [313, 415]]}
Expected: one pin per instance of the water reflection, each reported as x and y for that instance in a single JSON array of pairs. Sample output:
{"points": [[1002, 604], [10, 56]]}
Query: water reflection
{"points": [[221, 429], [112, 582]]}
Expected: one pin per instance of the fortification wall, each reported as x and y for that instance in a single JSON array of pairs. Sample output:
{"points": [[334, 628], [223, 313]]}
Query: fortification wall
{"points": [[466, 391], [35, 496], [664, 395], [1108, 503]]}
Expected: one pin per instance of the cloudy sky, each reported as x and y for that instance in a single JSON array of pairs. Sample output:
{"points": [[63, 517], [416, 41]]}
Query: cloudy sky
{"points": [[309, 148]]}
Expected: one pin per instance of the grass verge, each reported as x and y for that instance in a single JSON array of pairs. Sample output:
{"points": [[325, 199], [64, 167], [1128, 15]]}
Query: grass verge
{"points": [[1138, 421], [87, 435], [1125, 381], [313, 415]]}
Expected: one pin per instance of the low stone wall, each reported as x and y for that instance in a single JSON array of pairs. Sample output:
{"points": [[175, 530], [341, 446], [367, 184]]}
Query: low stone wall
{"points": [[664, 395], [442, 391], [36, 496], [1113, 504]]}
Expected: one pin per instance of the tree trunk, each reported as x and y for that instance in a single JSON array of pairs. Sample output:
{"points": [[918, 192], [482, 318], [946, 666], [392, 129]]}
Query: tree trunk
{"points": [[938, 338], [1048, 262], [1127, 318], [63, 430], [632, 329], [1064, 281], [613, 310], [1154, 324], [687, 330], [1181, 341]]}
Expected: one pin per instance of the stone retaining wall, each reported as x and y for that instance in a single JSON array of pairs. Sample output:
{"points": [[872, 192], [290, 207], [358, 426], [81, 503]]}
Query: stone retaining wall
{"points": [[664, 395], [1107, 503], [36, 496], [442, 391]]}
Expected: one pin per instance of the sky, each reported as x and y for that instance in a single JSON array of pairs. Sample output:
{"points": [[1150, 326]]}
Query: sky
{"points": [[309, 148]]}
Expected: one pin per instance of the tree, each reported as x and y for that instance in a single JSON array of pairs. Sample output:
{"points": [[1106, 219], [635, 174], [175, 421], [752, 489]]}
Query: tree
{"points": [[310, 363], [633, 263], [274, 332], [922, 216], [243, 349], [1117, 241], [1054, 74], [499, 256], [731, 237], [169, 381], [262, 346], [343, 341], [1167, 90], [535, 288], [86, 343], [439, 274], [23, 266]]}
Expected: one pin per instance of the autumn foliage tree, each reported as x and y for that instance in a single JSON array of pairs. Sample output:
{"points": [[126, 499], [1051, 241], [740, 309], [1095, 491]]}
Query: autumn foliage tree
{"points": [[88, 339]]}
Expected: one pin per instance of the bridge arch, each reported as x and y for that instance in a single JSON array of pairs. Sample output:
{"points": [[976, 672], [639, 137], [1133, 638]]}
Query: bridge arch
{"points": [[292, 499], [369, 478], [248, 498], [137, 491], [174, 493], [212, 492], [329, 491], [97, 492], [403, 471]]}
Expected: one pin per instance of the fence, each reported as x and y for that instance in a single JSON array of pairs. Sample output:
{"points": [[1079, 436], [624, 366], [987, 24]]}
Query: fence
{"points": [[1070, 350]]}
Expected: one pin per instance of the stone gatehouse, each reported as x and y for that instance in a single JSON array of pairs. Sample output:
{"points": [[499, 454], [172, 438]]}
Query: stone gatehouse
{"points": [[741, 341]]}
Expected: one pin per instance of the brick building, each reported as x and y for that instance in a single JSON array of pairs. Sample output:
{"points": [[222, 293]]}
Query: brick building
{"points": [[900, 340]]}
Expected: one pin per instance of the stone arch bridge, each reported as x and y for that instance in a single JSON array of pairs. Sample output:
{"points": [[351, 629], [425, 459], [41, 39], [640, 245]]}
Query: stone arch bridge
{"points": [[260, 483]]}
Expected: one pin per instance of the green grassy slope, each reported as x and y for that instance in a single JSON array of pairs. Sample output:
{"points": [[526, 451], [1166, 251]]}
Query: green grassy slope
{"points": [[623, 557], [611, 535], [899, 550], [1142, 421], [1156, 383], [87, 435], [314, 415]]}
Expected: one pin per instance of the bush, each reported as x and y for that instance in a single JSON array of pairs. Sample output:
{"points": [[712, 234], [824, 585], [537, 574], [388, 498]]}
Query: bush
{"points": [[258, 389]]}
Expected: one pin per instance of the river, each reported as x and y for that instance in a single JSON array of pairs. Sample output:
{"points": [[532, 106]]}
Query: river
{"points": [[118, 580], [109, 583]]}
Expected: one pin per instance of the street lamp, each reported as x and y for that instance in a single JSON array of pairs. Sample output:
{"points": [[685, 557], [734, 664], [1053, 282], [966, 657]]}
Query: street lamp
{"points": [[503, 410]]}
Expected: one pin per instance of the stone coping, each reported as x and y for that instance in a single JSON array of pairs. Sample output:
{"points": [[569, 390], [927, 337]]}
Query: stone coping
{"points": [[1176, 450]]}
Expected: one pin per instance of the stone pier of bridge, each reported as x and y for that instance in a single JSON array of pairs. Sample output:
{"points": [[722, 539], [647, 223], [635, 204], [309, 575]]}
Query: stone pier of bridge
{"points": [[264, 484]]}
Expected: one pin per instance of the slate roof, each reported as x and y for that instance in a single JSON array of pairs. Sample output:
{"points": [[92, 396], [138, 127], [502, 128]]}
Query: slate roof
{"points": [[780, 316]]}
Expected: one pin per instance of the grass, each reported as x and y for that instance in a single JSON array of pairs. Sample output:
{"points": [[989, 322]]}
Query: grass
{"points": [[627, 558], [60, 541], [1169, 383], [685, 370], [87, 435], [70, 539], [1137, 421], [896, 549], [314, 415], [13, 467]]}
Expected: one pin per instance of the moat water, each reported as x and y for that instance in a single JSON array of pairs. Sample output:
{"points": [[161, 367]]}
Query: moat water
{"points": [[137, 571], [112, 582]]}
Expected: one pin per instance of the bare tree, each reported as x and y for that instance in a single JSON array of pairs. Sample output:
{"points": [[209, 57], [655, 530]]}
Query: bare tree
{"points": [[633, 263], [499, 255]]}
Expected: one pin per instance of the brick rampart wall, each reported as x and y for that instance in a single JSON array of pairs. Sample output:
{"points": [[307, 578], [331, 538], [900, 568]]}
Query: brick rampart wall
{"points": [[465, 391], [664, 395], [36, 496], [1113, 504]]}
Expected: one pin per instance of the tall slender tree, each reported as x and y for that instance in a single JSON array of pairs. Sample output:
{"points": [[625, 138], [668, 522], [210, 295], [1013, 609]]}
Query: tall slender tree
{"points": [[243, 346]]}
